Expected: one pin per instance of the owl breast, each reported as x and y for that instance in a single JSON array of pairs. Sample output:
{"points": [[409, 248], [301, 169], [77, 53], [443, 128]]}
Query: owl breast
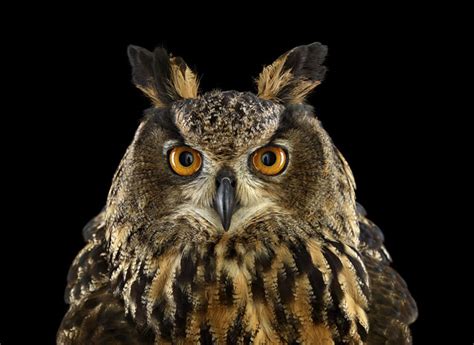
{"points": [[243, 287]]}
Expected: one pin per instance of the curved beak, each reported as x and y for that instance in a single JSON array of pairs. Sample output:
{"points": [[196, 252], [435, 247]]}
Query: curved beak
{"points": [[224, 201]]}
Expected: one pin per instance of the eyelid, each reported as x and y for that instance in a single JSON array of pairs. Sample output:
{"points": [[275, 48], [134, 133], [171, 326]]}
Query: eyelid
{"points": [[169, 145]]}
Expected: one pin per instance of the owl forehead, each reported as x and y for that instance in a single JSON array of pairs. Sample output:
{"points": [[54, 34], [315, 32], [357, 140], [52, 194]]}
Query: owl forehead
{"points": [[227, 122]]}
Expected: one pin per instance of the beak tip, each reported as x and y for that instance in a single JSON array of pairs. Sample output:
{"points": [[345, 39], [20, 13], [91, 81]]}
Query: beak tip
{"points": [[224, 202]]}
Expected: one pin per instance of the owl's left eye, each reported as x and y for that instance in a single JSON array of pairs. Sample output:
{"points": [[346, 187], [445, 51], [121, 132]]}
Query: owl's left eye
{"points": [[269, 160], [184, 160]]}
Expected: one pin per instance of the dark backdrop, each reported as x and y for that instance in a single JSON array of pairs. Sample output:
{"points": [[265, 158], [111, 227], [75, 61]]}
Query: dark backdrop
{"points": [[78, 112]]}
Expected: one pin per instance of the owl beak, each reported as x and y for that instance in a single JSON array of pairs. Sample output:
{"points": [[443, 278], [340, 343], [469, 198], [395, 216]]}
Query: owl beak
{"points": [[224, 200]]}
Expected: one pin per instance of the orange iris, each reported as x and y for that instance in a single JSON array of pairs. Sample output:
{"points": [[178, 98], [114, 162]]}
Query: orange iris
{"points": [[269, 160], [184, 160]]}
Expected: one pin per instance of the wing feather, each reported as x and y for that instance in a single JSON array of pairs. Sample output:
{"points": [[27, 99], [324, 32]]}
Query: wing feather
{"points": [[95, 315], [392, 308]]}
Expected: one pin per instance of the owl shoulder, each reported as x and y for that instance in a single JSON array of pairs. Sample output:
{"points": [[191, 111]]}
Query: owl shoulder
{"points": [[89, 271], [392, 308]]}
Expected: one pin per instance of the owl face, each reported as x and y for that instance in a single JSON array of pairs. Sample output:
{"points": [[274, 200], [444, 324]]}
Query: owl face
{"points": [[227, 158]]}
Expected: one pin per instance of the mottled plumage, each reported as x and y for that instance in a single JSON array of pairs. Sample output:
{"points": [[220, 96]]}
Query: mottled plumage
{"points": [[298, 262]]}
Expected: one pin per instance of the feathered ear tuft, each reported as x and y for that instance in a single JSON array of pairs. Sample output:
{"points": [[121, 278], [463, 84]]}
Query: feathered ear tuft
{"points": [[293, 75], [163, 78]]}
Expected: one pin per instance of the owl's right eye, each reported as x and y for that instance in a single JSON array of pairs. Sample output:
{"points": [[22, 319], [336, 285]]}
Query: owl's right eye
{"points": [[184, 160]]}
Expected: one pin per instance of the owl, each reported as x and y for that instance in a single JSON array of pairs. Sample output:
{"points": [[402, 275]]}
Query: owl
{"points": [[232, 219]]}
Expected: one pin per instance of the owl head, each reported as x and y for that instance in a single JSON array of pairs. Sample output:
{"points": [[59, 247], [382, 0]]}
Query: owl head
{"points": [[206, 165]]}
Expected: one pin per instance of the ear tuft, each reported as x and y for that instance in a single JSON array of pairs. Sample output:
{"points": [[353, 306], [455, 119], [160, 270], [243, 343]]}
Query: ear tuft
{"points": [[293, 75], [184, 81], [161, 77]]}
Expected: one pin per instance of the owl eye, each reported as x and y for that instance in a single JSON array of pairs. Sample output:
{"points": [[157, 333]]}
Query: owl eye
{"points": [[184, 160], [269, 160]]}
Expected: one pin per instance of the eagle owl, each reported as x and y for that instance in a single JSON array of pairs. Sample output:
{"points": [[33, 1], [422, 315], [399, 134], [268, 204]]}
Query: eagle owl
{"points": [[232, 220]]}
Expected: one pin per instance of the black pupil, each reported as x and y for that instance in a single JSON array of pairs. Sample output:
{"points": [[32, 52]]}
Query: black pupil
{"points": [[269, 158], [186, 158]]}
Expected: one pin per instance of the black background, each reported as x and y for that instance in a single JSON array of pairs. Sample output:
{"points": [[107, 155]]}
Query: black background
{"points": [[77, 111]]}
